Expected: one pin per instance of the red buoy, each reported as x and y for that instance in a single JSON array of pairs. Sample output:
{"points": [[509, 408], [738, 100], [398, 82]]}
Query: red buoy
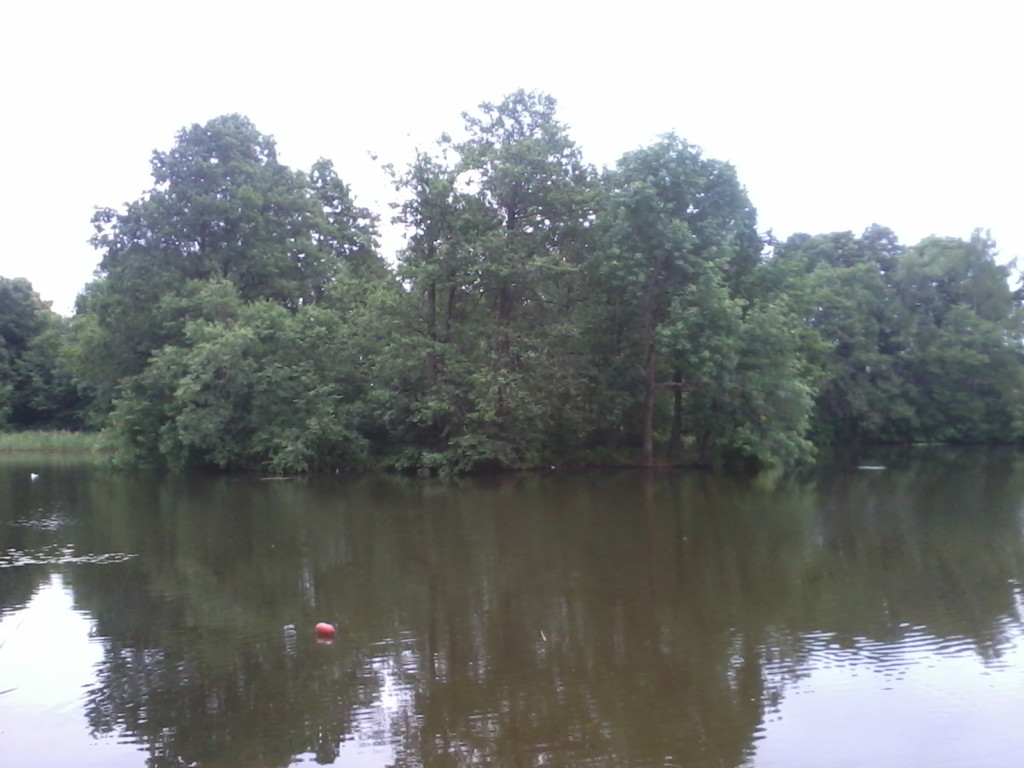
{"points": [[325, 631]]}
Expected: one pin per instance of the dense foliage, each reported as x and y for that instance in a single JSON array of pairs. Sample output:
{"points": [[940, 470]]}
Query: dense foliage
{"points": [[37, 390], [542, 312]]}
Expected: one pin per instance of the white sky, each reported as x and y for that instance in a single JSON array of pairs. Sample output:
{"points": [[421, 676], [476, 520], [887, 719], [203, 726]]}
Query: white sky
{"points": [[836, 115]]}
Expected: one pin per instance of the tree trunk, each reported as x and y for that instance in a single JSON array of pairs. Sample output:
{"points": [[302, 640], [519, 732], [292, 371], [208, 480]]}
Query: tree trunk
{"points": [[449, 314], [505, 303], [704, 448], [650, 385], [676, 435], [432, 332]]}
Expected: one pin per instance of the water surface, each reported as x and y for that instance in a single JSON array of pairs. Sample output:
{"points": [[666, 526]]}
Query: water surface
{"points": [[846, 618]]}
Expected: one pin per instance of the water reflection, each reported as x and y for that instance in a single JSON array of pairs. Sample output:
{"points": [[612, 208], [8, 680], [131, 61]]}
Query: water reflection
{"points": [[47, 658], [603, 619]]}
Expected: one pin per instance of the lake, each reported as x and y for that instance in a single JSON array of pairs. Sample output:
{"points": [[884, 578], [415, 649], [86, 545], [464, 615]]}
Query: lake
{"points": [[867, 613]]}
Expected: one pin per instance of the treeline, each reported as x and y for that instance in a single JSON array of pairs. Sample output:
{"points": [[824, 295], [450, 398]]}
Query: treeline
{"points": [[542, 312]]}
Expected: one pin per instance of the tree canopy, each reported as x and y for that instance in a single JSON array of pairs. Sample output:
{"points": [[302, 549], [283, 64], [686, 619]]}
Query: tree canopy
{"points": [[541, 312]]}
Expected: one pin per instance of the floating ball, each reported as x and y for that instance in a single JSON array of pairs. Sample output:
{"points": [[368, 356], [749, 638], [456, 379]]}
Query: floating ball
{"points": [[324, 630]]}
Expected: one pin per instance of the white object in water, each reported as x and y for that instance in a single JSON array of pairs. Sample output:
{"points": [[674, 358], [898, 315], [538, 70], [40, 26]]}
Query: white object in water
{"points": [[33, 476]]}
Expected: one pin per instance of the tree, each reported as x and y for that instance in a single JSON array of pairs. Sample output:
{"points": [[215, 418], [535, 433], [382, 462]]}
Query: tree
{"points": [[347, 232], [531, 177], [497, 223], [842, 286], [215, 332], [749, 386], [962, 349], [222, 208], [260, 387], [923, 344], [442, 259], [675, 218], [539, 314], [36, 389], [522, 166]]}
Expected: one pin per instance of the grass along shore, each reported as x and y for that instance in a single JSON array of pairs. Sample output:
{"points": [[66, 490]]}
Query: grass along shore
{"points": [[56, 441]]}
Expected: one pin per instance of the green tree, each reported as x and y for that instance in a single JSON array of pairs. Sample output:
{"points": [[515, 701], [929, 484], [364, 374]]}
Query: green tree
{"points": [[216, 331], [260, 387], [439, 327], [842, 286], [539, 313], [922, 344], [497, 223], [347, 232], [749, 386], [675, 220], [21, 320], [36, 387], [962, 351], [222, 208]]}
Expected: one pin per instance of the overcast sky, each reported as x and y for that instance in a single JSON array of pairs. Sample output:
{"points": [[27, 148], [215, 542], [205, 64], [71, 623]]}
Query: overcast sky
{"points": [[836, 115]]}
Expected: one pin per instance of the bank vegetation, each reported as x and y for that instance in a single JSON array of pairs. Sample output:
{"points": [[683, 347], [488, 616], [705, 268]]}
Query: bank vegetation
{"points": [[542, 312]]}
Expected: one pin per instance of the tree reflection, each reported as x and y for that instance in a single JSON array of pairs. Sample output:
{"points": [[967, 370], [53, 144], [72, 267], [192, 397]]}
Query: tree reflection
{"points": [[599, 619], [34, 522]]}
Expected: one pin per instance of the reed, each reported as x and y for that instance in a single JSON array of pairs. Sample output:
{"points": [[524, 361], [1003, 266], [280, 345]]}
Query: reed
{"points": [[56, 441]]}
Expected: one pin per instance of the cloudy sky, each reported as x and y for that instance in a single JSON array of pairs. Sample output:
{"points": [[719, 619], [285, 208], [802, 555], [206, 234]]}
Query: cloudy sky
{"points": [[836, 115]]}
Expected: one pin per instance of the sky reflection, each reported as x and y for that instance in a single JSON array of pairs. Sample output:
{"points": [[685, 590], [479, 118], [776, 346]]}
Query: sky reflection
{"points": [[47, 662]]}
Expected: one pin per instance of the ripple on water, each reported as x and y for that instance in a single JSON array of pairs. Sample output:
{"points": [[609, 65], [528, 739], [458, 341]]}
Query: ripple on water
{"points": [[914, 646], [58, 555], [42, 520], [859, 660], [913, 697]]}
